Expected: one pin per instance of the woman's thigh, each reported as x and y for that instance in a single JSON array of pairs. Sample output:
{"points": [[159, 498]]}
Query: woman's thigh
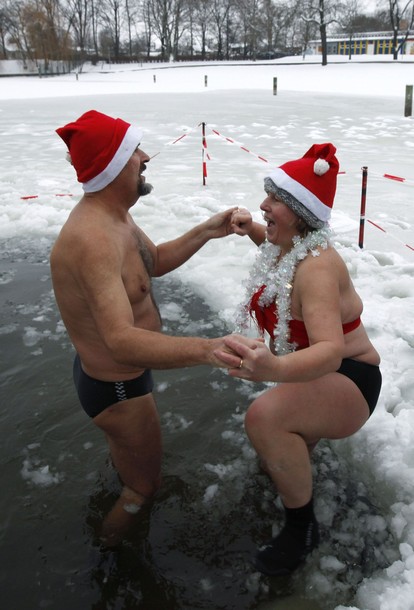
{"points": [[329, 407]]}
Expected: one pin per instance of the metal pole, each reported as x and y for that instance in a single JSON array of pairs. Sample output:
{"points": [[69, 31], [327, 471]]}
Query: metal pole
{"points": [[204, 146], [363, 202]]}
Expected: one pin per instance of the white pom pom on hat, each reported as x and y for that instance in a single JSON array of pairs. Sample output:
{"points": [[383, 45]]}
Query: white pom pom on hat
{"points": [[320, 167], [308, 185], [99, 147]]}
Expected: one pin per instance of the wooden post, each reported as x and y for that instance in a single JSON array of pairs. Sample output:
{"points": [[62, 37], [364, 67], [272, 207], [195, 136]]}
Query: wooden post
{"points": [[363, 202], [408, 100], [275, 85]]}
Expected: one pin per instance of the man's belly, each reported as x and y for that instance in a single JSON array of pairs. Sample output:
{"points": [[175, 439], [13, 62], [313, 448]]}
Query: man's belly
{"points": [[99, 362]]}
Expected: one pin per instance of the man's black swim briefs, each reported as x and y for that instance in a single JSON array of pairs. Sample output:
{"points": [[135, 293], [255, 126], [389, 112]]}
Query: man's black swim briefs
{"points": [[95, 396], [366, 376]]}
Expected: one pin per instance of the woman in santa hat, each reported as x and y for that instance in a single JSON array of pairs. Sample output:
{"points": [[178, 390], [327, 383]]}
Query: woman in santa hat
{"points": [[327, 370]]}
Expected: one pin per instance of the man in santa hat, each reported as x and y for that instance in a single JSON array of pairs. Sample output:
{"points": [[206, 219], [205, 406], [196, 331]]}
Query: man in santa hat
{"points": [[102, 264]]}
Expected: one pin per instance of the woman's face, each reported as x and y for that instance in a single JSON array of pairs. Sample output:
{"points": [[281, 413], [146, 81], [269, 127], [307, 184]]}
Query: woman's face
{"points": [[282, 222]]}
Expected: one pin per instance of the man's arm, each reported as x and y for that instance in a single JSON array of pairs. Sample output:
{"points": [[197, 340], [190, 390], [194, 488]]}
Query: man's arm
{"points": [[172, 254], [100, 282]]}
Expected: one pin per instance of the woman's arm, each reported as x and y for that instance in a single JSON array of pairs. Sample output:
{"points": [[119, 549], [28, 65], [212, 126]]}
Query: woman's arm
{"points": [[318, 299]]}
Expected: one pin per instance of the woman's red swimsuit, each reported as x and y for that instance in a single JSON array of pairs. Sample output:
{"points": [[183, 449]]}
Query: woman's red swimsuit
{"points": [[367, 377], [266, 318]]}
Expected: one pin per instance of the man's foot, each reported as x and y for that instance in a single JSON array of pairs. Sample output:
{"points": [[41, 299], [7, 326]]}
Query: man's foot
{"points": [[283, 554]]}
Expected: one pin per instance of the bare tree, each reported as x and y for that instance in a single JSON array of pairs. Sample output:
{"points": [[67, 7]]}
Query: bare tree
{"points": [[191, 10], [399, 15], [78, 15], [270, 19], [219, 13], [349, 22], [302, 30], [55, 29], [323, 13], [248, 14], [168, 21], [161, 12], [289, 29], [147, 20], [5, 27], [93, 12], [17, 30], [131, 11], [112, 17], [201, 16], [179, 24], [37, 28]]}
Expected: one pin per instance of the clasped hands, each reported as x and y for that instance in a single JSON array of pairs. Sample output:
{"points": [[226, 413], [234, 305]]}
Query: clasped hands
{"points": [[241, 221], [246, 358]]}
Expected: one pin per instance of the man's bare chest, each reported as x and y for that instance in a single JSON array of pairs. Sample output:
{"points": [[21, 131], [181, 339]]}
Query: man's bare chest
{"points": [[136, 269]]}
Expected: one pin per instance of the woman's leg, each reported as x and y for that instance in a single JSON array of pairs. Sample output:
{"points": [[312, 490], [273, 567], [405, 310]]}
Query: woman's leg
{"points": [[282, 425]]}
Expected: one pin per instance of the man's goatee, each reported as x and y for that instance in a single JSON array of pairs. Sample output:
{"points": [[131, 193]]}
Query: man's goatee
{"points": [[144, 189]]}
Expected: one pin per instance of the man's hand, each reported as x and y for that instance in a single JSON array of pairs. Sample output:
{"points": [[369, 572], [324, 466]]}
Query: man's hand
{"points": [[248, 358], [220, 224]]}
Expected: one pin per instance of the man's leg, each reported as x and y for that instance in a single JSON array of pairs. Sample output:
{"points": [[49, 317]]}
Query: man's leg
{"points": [[132, 429]]}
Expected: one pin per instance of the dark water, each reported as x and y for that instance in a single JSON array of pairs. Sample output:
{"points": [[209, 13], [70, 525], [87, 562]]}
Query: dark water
{"points": [[194, 548]]}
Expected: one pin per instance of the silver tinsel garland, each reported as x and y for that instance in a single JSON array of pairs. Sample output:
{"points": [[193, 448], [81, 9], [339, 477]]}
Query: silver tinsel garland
{"points": [[277, 277]]}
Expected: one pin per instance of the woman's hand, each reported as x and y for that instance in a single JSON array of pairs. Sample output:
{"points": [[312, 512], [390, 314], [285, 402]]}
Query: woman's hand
{"points": [[248, 359], [241, 222]]}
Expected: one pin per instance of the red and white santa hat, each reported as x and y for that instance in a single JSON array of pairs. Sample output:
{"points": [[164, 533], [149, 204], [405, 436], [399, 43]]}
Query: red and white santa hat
{"points": [[307, 185], [99, 147]]}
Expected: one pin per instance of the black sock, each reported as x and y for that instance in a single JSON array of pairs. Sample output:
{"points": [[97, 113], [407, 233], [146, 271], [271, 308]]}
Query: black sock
{"points": [[300, 517], [297, 538]]}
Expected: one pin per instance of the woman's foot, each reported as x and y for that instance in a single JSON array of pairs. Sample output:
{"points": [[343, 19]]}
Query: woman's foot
{"points": [[283, 554], [300, 535]]}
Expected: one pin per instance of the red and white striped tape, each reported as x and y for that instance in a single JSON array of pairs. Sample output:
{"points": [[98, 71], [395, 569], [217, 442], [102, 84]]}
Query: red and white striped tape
{"points": [[375, 224], [25, 197], [392, 177], [182, 136], [241, 146]]}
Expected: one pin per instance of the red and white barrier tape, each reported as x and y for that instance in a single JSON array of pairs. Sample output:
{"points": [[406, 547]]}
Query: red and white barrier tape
{"points": [[375, 224], [242, 147], [217, 133], [392, 177], [184, 135], [25, 197]]}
